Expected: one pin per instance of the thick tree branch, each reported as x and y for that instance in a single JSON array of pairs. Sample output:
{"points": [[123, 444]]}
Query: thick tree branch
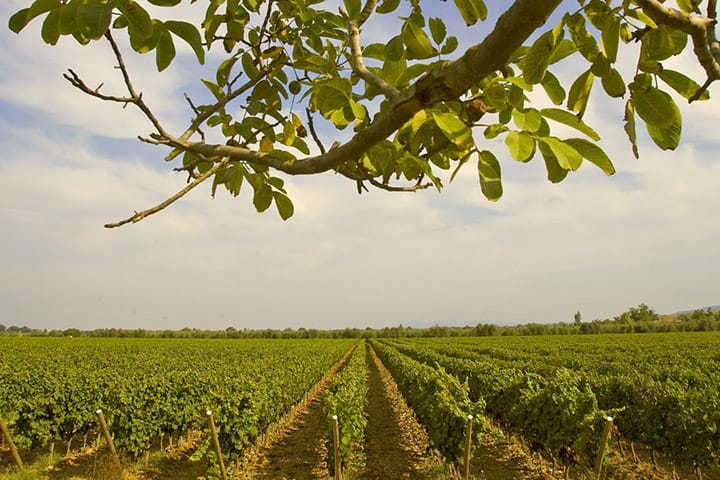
{"points": [[442, 84], [391, 188], [161, 206], [701, 31]]}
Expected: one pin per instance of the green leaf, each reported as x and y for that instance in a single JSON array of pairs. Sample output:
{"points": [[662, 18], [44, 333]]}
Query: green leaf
{"points": [[394, 49], [437, 30], [536, 61], [629, 126], [262, 197], [665, 137], [374, 50], [190, 34], [556, 173], [67, 24], [521, 145], [580, 93], [683, 85], [352, 7], [93, 19], [451, 44], [567, 118], [654, 106], [492, 131], [18, 20], [563, 49], [657, 44], [249, 66], [593, 153], [21, 18], [51, 29], [165, 49], [527, 120], [490, 175], [454, 129], [415, 39], [224, 70], [165, 3], [610, 37], [567, 156], [137, 17], [388, 6], [613, 84], [553, 88], [472, 10], [214, 89]]}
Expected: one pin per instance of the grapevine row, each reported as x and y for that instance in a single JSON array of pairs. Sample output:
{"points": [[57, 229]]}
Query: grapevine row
{"points": [[50, 388]]}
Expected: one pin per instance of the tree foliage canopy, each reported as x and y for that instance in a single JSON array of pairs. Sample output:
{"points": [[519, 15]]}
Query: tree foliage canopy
{"points": [[294, 70]]}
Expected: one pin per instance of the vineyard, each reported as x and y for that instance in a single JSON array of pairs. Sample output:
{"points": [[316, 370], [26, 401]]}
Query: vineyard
{"points": [[552, 394]]}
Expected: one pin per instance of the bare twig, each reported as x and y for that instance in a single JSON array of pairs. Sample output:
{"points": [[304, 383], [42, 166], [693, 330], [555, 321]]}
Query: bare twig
{"points": [[161, 206], [311, 127], [77, 82], [136, 98]]}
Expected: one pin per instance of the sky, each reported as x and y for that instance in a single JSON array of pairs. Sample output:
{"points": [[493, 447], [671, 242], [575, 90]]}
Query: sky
{"points": [[594, 244]]}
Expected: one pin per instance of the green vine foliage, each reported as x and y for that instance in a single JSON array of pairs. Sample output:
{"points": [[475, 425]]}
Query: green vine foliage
{"points": [[412, 127], [440, 400], [51, 388], [346, 398], [557, 391]]}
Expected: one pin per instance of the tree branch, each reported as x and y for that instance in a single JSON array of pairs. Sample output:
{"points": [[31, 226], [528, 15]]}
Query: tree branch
{"points": [[441, 84], [701, 31], [202, 117], [77, 82], [358, 64], [136, 98], [391, 188], [161, 206]]}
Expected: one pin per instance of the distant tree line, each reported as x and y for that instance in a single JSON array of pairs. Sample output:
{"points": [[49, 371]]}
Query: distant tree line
{"points": [[640, 319]]}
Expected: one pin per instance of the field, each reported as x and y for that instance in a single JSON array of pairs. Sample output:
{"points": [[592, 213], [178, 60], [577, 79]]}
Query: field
{"points": [[540, 405]]}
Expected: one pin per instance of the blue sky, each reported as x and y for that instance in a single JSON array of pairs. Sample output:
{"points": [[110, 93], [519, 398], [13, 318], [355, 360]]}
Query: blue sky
{"points": [[70, 164]]}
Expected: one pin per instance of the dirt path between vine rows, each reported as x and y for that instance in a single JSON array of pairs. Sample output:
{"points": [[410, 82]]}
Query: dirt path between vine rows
{"points": [[396, 445]]}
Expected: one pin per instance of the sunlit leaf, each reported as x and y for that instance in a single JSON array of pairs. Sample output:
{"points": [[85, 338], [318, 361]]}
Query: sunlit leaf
{"points": [[284, 205], [521, 145], [553, 88], [536, 61], [190, 34], [472, 10], [567, 118], [556, 173], [490, 175], [593, 153], [683, 85], [567, 156], [580, 93]]}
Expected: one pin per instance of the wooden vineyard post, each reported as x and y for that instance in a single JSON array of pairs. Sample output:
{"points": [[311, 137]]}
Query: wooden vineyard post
{"points": [[108, 438], [603, 446], [468, 443], [51, 454], [336, 447], [216, 445], [8, 440]]}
